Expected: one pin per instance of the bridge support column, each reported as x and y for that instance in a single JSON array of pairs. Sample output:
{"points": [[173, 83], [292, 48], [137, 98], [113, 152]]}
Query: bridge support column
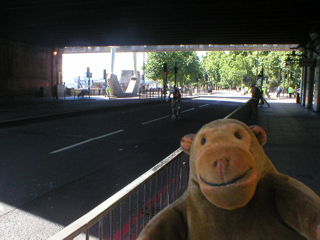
{"points": [[135, 64], [113, 56]]}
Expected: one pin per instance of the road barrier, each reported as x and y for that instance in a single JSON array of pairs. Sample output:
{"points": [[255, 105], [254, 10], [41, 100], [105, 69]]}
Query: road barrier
{"points": [[158, 93], [124, 215], [150, 93], [12, 97]]}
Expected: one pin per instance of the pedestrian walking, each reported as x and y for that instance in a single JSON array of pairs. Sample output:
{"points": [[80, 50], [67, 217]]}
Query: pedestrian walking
{"points": [[256, 95], [268, 93], [278, 91], [108, 91], [104, 89], [290, 91]]}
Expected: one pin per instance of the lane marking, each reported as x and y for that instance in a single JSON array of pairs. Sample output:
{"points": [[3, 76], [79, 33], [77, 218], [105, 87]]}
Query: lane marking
{"points": [[155, 120], [86, 141], [204, 105], [187, 110]]}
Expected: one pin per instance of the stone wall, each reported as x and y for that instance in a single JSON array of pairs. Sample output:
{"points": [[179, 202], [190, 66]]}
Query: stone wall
{"points": [[28, 68]]}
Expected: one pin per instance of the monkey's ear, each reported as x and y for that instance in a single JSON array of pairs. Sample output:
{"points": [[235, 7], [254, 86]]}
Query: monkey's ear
{"points": [[186, 142], [260, 134]]}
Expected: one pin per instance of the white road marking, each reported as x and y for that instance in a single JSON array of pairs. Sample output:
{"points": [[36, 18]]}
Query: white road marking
{"points": [[187, 110], [203, 105], [86, 141], [155, 120]]}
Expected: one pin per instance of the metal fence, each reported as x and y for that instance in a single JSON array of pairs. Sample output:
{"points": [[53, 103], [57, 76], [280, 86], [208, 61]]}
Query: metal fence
{"points": [[124, 215], [11, 97], [158, 93], [151, 93]]}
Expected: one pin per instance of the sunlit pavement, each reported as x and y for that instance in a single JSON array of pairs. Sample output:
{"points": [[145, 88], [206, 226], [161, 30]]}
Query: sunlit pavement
{"points": [[235, 96], [293, 132]]}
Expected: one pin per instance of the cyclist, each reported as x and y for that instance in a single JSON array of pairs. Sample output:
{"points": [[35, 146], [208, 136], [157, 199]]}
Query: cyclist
{"points": [[175, 103]]}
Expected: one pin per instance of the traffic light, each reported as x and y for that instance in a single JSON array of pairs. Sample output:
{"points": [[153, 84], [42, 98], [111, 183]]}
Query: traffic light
{"points": [[104, 74], [165, 68], [88, 72], [175, 70]]}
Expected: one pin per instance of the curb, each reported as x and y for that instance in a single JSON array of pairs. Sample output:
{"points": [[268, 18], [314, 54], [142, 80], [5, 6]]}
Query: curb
{"points": [[75, 113]]}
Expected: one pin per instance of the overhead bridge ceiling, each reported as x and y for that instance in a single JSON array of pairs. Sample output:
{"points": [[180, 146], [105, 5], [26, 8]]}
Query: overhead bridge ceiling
{"points": [[60, 23]]}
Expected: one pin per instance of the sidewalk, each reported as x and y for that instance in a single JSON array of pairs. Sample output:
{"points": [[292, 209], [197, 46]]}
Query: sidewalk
{"points": [[20, 113], [293, 143]]}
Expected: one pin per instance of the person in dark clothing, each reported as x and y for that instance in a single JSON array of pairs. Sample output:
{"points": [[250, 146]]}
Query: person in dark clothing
{"points": [[256, 92], [256, 96]]}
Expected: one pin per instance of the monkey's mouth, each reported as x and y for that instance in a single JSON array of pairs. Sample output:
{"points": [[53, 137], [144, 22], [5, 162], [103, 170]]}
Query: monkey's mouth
{"points": [[227, 183]]}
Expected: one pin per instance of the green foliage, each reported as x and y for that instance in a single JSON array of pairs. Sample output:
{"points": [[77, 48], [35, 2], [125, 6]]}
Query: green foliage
{"points": [[187, 63], [233, 69], [226, 69]]}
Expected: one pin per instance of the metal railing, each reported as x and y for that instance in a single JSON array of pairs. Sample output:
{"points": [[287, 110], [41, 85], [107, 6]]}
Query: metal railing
{"points": [[12, 97], [150, 93], [158, 93], [124, 215]]}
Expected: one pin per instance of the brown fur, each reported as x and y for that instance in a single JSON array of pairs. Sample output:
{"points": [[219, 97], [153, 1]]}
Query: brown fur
{"points": [[235, 192]]}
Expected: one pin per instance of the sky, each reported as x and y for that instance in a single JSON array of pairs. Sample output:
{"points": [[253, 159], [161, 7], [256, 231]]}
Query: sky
{"points": [[74, 65]]}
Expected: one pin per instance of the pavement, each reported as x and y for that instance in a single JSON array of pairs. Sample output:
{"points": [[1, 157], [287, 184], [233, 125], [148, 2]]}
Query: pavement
{"points": [[293, 131], [293, 136], [293, 143], [20, 113]]}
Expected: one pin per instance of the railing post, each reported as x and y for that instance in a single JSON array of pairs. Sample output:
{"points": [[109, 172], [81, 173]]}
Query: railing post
{"points": [[168, 186], [130, 216], [144, 205], [150, 201], [138, 213], [111, 225], [161, 191], [101, 229], [121, 206], [88, 234], [156, 194]]}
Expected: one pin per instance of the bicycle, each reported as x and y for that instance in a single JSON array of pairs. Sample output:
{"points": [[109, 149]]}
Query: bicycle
{"points": [[263, 100], [175, 110]]}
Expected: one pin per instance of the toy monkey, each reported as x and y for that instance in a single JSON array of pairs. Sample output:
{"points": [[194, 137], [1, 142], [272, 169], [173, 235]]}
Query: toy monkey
{"points": [[235, 192]]}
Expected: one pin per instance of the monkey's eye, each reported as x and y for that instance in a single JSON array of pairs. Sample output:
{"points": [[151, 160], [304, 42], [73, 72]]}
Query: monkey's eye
{"points": [[203, 141], [237, 135]]}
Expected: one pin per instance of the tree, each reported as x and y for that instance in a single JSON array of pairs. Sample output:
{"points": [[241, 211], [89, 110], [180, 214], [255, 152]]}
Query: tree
{"points": [[232, 69], [211, 65], [187, 63]]}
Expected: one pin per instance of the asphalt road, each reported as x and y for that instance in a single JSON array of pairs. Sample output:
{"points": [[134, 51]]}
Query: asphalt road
{"points": [[56, 171]]}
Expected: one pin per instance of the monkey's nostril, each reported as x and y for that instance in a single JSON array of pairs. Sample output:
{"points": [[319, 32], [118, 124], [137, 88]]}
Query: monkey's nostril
{"points": [[216, 163], [227, 160]]}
